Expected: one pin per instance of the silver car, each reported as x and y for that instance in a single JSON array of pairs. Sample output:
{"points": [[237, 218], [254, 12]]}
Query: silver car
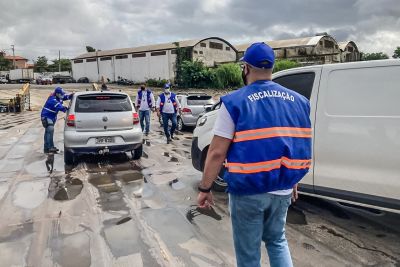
{"points": [[101, 123], [192, 105]]}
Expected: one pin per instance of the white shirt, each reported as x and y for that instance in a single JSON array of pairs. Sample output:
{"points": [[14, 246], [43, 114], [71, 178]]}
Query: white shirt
{"points": [[225, 127], [168, 106], [143, 103]]}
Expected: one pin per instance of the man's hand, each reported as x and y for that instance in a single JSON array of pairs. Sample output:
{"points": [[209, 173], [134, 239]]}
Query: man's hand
{"points": [[158, 113], [295, 194], [205, 200]]}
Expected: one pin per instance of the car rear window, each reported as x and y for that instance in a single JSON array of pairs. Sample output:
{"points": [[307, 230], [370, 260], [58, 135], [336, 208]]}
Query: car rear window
{"points": [[102, 103], [194, 100]]}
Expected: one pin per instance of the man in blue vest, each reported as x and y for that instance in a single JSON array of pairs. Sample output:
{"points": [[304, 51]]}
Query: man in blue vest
{"points": [[145, 104], [53, 105], [263, 131], [167, 107]]}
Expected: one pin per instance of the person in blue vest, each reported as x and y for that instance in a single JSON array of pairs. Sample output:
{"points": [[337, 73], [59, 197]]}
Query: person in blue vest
{"points": [[145, 103], [168, 107], [263, 134], [53, 105]]}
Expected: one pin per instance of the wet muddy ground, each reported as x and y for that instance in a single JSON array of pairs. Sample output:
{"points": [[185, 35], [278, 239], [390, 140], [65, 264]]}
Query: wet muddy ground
{"points": [[113, 211]]}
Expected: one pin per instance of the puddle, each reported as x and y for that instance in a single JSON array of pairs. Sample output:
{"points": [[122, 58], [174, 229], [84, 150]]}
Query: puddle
{"points": [[30, 195], [71, 250], [194, 212], [296, 216], [129, 176], [174, 159], [166, 154], [61, 189], [124, 220]]}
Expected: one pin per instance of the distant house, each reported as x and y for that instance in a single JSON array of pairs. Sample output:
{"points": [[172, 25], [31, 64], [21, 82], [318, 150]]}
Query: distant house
{"points": [[20, 62], [150, 62], [319, 49], [349, 51]]}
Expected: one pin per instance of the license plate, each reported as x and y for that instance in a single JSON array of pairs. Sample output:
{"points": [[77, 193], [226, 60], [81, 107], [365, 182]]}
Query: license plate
{"points": [[104, 140]]}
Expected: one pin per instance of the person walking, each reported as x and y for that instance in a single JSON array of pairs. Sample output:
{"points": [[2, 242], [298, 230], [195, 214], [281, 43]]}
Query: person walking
{"points": [[145, 104], [167, 107], [263, 131], [53, 105]]}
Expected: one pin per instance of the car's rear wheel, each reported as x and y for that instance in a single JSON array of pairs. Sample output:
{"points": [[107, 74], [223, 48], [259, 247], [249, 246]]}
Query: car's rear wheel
{"points": [[219, 184], [137, 153], [180, 125], [69, 157]]}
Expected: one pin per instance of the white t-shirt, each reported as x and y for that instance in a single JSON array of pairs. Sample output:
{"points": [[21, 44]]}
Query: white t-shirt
{"points": [[168, 105], [143, 104], [225, 127]]}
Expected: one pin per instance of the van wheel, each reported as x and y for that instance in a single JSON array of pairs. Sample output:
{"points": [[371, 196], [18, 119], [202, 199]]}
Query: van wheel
{"points": [[137, 153], [69, 157], [219, 184]]}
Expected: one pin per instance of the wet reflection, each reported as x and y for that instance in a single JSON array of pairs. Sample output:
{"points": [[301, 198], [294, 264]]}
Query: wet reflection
{"points": [[50, 162], [197, 211]]}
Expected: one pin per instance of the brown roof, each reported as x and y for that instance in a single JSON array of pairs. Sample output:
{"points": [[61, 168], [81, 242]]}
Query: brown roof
{"points": [[16, 58], [304, 41], [146, 48]]}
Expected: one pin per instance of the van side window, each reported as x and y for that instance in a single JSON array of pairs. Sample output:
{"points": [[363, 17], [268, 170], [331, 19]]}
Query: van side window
{"points": [[301, 83]]}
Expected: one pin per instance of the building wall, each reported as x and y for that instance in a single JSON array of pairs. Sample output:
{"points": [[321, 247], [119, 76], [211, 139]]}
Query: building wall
{"points": [[350, 53], [213, 51]]}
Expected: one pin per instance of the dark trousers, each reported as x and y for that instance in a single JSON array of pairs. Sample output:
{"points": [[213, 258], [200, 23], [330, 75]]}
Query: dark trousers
{"points": [[166, 117]]}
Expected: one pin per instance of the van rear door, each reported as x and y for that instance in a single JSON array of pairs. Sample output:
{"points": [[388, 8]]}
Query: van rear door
{"points": [[103, 112]]}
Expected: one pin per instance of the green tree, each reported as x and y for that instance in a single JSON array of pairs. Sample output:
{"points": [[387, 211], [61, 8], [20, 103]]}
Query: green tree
{"points": [[373, 56], [182, 54], [227, 76], [65, 65], [396, 53], [90, 49], [5, 64], [284, 64], [41, 64]]}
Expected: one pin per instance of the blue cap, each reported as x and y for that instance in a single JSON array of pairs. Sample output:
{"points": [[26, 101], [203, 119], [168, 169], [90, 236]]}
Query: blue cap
{"points": [[167, 85], [259, 55], [59, 90]]}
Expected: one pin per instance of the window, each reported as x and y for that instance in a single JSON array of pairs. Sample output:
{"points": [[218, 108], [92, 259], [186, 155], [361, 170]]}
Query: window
{"points": [[121, 57], [102, 103], [159, 53], [195, 51], [173, 52], [105, 58], [328, 44], [321, 43], [227, 48], [199, 100], [78, 61], [350, 49], [203, 45], [301, 83], [91, 60], [200, 52], [216, 46], [139, 55]]}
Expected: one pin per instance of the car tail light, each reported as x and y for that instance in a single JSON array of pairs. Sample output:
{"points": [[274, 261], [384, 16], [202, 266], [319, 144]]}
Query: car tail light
{"points": [[135, 118], [186, 110], [71, 120]]}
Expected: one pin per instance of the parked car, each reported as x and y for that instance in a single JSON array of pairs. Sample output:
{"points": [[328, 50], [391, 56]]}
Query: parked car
{"points": [[63, 79], [192, 105], [355, 119], [83, 80], [101, 123], [3, 80], [44, 80]]}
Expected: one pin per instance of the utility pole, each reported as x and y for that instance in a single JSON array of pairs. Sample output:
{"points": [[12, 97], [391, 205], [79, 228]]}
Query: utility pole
{"points": [[13, 49], [59, 61]]}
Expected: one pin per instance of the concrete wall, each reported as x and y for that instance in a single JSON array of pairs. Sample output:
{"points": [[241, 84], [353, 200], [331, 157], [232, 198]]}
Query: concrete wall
{"points": [[211, 56], [350, 53]]}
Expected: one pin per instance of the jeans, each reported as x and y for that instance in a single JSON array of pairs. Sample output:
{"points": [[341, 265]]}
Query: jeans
{"points": [[260, 217], [165, 118], [144, 115], [48, 135]]}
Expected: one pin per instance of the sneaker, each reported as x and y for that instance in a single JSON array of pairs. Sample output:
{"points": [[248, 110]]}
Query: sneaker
{"points": [[56, 149], [146, 134], [53, 150], [169, 140]]}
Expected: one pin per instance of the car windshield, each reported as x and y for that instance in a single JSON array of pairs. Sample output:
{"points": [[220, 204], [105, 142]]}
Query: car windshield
{"points": [[102, 103], [199, 100]]}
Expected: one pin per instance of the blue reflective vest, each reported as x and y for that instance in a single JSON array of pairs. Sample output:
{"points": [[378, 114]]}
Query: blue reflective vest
{"points": [[52, 106], [149, 102], [173, 100], [271, 148]]}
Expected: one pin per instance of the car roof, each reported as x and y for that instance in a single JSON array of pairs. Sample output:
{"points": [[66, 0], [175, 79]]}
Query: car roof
{"points": [[99, 93]]}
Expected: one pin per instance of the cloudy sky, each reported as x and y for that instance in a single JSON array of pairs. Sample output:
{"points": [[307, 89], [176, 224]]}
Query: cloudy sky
{"points": [[42, 27]]}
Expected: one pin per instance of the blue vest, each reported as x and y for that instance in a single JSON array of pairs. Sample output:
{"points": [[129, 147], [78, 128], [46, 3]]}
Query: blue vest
{"points": [[271, 149], [149, 102], [173, 100], [52, 106]]}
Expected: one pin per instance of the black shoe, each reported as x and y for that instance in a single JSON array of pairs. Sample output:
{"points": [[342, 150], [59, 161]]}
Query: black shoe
{"points": [[169, 140], [53, 150], [146, 134], [56, 149]]}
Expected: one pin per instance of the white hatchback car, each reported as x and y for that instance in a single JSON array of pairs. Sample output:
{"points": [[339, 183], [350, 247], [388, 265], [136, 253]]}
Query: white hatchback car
{"points": [[101, 123]]}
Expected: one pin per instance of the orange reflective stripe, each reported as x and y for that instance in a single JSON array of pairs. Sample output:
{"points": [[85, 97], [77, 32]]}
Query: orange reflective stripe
{"points": [[272, 132], [265, 166]]}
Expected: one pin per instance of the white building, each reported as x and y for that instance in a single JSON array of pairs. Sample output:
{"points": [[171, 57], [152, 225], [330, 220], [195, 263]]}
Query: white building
{"points": [[150, 62]]}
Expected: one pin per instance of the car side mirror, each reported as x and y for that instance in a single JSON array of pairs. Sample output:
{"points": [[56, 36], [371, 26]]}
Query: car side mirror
{"points": [[208, 109]]}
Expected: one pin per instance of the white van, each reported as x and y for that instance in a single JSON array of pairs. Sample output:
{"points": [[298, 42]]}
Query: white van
{"points": [[355, 113]]}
